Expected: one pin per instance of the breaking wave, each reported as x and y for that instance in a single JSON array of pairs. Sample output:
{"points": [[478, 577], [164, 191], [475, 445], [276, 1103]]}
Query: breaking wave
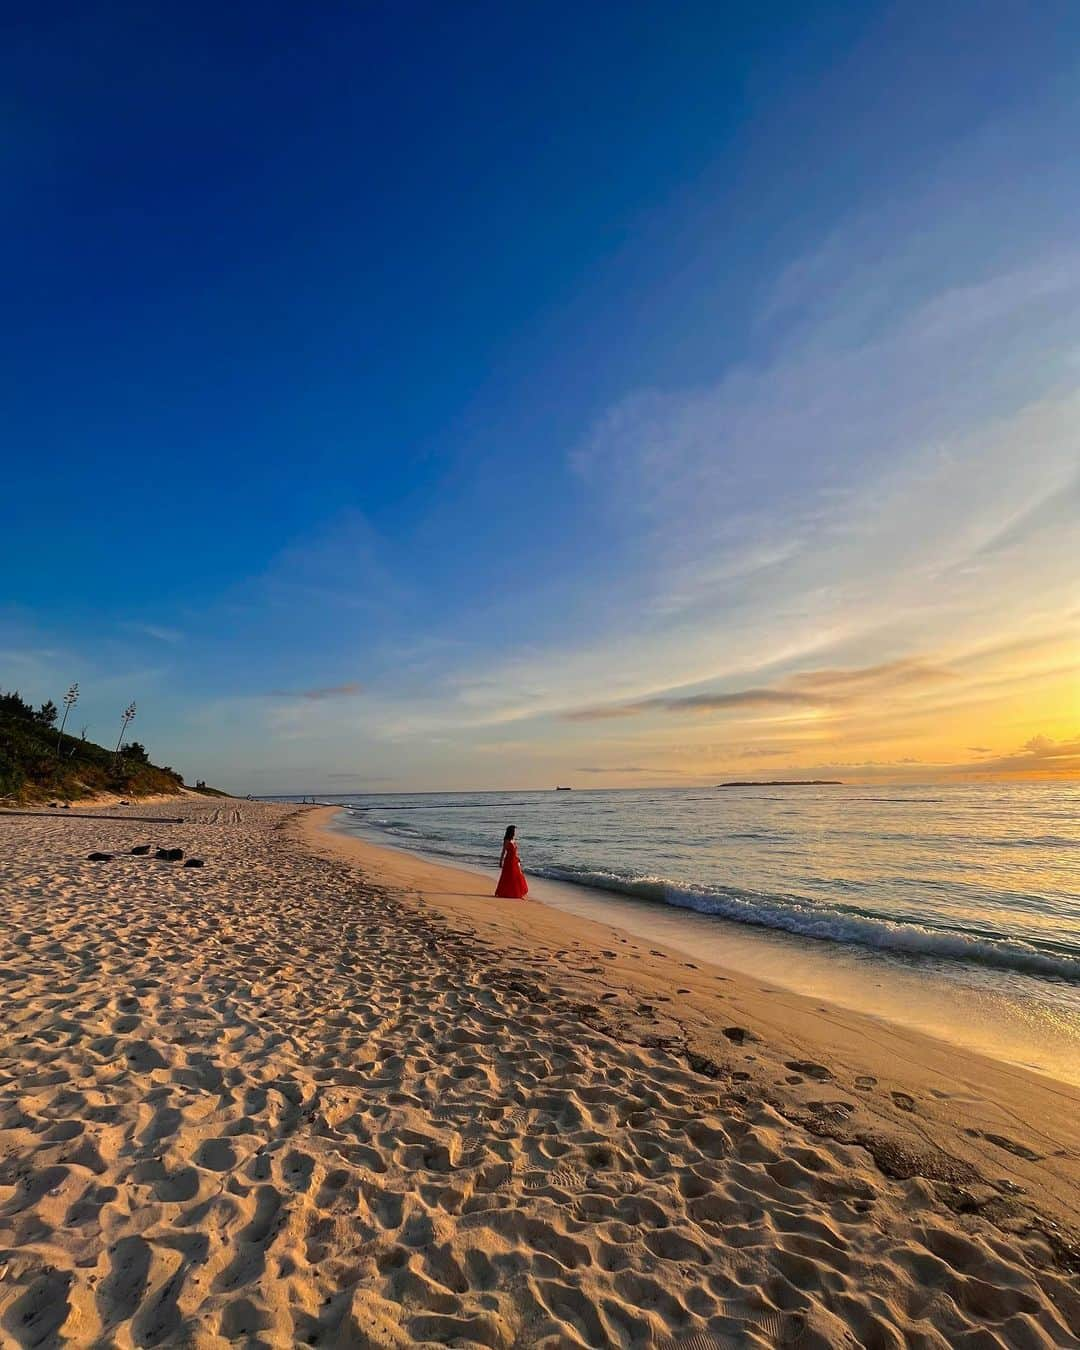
{"points": [[833, 924]]}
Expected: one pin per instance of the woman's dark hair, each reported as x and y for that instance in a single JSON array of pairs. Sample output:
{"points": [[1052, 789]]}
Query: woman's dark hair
{"points": [[511, 830]]}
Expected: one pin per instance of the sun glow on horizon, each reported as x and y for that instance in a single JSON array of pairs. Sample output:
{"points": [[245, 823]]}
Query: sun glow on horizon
{"points": [[1009, 712], [754, 455]]}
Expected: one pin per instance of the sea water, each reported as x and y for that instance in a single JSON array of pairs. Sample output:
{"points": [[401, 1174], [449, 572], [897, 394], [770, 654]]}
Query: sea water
{"points": [[953, 909]]}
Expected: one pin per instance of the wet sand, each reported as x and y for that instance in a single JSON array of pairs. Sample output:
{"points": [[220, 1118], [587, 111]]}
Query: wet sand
{"points": [[320, 1092]]}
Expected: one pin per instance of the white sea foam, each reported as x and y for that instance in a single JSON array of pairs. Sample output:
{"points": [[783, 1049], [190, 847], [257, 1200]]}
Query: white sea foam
{"points": [[980, 878], [829, 924]]}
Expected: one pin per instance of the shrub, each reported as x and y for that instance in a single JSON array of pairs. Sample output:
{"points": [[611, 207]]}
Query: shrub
{"points": [[38, 762]]}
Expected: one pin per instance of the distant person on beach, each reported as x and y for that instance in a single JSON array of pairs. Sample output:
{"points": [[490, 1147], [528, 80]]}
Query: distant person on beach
{"points": [[512, 884]]}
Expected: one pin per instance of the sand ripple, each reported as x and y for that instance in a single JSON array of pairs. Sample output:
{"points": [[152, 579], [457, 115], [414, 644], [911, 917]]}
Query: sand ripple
{"points": [[261, 1103]]}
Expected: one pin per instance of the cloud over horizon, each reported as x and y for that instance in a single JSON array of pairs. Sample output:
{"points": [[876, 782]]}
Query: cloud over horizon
{"points": [[760, 446], [820, 689]]}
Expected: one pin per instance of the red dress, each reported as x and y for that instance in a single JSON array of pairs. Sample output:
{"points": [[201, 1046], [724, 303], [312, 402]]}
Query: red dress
{"points": [[512, 884]]}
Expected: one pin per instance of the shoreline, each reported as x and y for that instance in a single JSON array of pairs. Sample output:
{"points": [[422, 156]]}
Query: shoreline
{"points": [[921, 1105], [933, 998], [308, 1095]]}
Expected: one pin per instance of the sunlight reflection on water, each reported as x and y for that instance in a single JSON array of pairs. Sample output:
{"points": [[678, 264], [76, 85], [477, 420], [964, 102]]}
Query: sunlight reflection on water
{"points": [[956, 909]]}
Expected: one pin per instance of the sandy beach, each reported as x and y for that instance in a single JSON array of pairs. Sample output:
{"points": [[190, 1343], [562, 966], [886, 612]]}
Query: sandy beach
{"points": [[321, 1092]]}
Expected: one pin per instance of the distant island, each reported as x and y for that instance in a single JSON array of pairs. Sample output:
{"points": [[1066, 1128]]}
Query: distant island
{"points": [[788, 782]]}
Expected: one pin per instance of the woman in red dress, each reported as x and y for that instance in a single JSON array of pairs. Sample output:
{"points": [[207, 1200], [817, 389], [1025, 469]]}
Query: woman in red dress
{"points": [[512, 884]]}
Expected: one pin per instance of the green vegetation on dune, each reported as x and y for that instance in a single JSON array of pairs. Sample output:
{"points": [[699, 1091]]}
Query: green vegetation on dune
{"points": [[38, 763]]}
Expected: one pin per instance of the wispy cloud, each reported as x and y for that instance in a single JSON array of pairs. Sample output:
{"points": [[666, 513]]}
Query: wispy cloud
{"points": [[616, 769], [341, 567], [856, 539], [30, 658], [322, 692], [1041, 756], [158, 632], [738, 699], [897, 493], [905, 673], [807, 689]]}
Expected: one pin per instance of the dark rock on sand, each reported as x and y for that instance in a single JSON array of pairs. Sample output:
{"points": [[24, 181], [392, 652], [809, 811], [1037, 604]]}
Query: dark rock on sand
{"points": [[169, 854], [141, 849], [99, 857], [194, 862]]}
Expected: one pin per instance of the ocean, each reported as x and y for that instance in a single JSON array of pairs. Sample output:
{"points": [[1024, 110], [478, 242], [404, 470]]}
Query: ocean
{"points": [[955, 909]]}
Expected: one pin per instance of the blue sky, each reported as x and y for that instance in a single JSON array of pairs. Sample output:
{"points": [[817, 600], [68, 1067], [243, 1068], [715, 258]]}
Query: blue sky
{"points": [[430, 396]]}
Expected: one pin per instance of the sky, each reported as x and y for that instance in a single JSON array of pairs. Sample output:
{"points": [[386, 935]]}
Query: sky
{"points": [[421, 396]]}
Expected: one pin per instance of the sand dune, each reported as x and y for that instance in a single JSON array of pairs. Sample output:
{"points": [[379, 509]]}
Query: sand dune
{"points": [[278, 1101]]}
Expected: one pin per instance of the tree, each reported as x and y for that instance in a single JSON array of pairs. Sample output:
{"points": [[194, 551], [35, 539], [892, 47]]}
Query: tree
{"points": [[47, 714], [126, 716], [12, 705], [135, 750], [70, 699], [11, 773]]}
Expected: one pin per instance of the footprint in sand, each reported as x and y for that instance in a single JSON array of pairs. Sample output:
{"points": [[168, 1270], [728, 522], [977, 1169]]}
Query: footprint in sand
{"points": [[1011, 1146], [298, 1170], [806, 1066], [122, 1289], [241, 1319], [837, 1110], [41, 1311], [775, 1328], [216, 1154], [903, 1101], [865, 1082], [562, 1178], [520, 1118]]}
